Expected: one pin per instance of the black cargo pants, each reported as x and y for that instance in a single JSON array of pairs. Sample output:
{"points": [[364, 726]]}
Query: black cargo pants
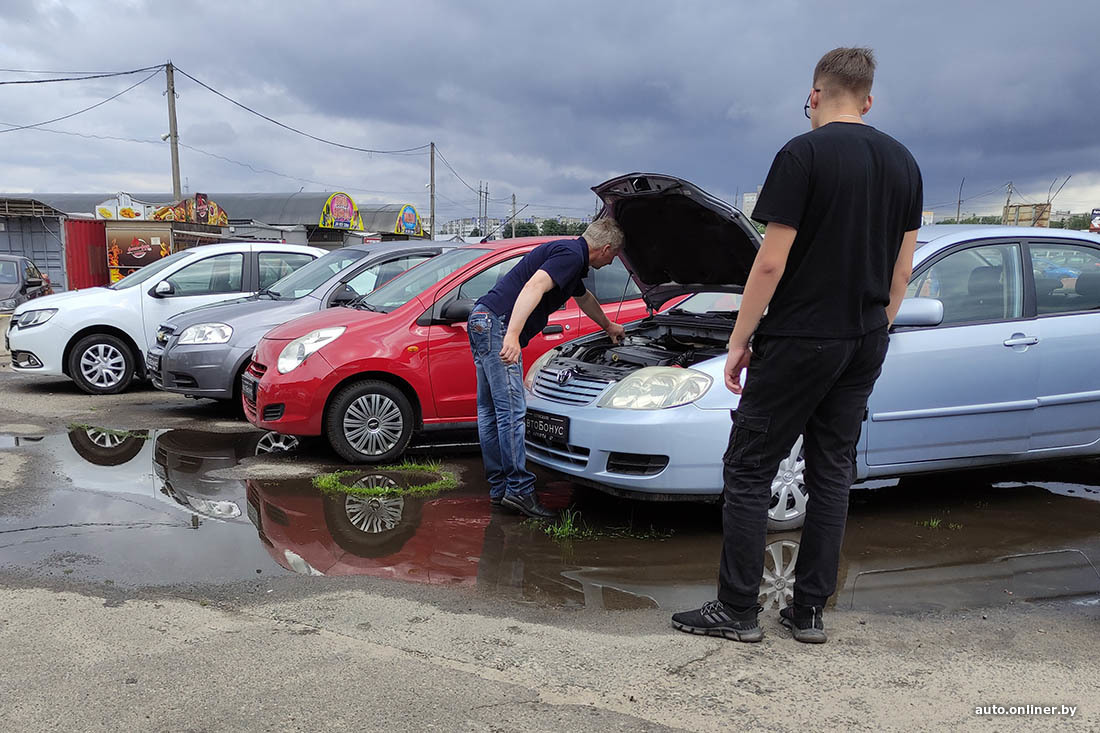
{"points": [[817, 388]]}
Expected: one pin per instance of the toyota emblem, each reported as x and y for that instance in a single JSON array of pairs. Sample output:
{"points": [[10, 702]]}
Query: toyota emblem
{"points": [[564, 376]]}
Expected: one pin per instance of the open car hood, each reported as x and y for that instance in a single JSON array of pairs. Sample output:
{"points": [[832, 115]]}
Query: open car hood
{"points": [[678, 238]]}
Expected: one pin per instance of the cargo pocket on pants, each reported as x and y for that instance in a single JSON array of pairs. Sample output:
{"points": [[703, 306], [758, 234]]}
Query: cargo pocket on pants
{"points": [[748, 437]]}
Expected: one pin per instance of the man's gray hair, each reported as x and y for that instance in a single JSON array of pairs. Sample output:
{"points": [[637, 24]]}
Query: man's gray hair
{"points": [[603, 232]]}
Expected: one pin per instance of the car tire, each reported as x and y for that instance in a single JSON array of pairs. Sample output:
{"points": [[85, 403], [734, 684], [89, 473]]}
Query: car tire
{"points": [[789, 489], [107, 447], [372, 527], [369, 422], [101, 364]]}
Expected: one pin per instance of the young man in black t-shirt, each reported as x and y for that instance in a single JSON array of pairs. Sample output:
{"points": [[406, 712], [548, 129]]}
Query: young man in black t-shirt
{"points": [[842, 205]]}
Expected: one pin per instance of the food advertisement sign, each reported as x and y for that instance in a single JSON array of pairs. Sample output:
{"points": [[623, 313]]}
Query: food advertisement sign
{"points": [[198, 210], [408, 222], [340, 212], [133, 247], [1094, 224]]}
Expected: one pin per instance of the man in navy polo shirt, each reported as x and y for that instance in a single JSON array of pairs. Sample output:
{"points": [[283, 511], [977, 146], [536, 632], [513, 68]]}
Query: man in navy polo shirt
{"points": [[502, 322]]}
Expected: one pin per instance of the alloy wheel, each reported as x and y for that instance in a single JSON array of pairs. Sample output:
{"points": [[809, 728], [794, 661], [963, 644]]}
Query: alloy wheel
{"points": [[373, 424], [777, 585], [273, 442], [103, 365], [104, 439], [374, 514], [789, 493]]}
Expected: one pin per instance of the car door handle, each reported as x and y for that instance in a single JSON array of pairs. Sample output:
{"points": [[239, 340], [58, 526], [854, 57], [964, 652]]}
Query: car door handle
{"points": [[1021, 340], [556, 328]]}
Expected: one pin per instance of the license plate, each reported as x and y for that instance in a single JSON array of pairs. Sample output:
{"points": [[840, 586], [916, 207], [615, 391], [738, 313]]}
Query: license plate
{"points": [[248, 386], [254, 515], [547, 428], [152, 363]]}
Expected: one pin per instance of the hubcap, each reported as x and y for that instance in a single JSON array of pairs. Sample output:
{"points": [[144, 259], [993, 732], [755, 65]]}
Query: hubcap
{"points": [[374, 514], [777, 585], [789, 486], [373, 424], [273, 442], [102, 365]]}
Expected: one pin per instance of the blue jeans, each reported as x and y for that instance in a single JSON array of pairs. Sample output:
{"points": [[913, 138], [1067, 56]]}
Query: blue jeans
{"points": [[501, 407]]}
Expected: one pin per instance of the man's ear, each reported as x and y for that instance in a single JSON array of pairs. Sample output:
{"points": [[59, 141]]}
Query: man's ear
{"points": [[867, 104]]}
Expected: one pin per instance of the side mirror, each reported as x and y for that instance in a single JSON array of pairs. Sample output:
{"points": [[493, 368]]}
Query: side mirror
{"points": [[342, 296], [34, 282], [162, 289], [456, 311], [916, 312]]}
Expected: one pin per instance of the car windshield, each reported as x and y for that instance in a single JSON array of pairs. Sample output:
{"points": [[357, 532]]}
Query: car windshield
{"points": [[147, 272], [405, 287], [304, 281], [710, 303], [9, 272]]}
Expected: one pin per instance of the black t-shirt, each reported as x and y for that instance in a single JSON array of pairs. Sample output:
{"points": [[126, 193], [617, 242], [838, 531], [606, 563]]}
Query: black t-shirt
{"points": [[851, 192], [564, 260]]}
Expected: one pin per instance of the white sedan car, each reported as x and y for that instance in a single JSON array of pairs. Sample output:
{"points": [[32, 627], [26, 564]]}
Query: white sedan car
{"points": [[97, 336]]}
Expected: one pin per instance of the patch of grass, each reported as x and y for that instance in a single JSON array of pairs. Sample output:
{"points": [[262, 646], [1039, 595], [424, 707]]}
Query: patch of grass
{"points": [[954, 526], [931, 523], [140, 435], [570, 526], [333, 483]]}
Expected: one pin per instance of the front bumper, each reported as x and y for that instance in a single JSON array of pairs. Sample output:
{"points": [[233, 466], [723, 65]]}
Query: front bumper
{"points": [[291, 403], [46, 342], [196, 370], [692, 439]]}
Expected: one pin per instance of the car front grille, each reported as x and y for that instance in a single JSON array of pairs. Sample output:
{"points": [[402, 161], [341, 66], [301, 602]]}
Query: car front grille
{"points": [[564, 386], [274, 412], [574, 455], [636, 464]]}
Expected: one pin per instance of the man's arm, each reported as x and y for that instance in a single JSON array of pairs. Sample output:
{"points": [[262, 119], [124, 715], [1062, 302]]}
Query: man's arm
{"points": [[592, 309], [528, 299], [766, 272], [903, 270]]}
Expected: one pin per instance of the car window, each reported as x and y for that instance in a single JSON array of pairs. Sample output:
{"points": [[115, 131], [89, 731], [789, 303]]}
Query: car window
{"points": [[1067, 277], [9, 272], [381, 273], [217, 274], [483, 282], [975, 285], [274, 266], [611, 283], [408, 285], [310, 277], [34, 271], [145, 273]]}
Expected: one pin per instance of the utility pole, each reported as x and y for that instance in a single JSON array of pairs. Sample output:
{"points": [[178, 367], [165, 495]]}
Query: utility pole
{"points": [[513, 216], [173, 133], [1008, 200], [477, 223], [958, 209], [432, 182], [485, 225]]}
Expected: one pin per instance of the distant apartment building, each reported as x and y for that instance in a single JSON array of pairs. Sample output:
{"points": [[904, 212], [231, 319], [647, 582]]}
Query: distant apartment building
{"points": [[748, 201], [464, 227]]}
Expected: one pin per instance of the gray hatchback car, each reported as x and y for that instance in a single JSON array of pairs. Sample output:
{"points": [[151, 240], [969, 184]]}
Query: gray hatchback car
{"points": [[202, 352]]}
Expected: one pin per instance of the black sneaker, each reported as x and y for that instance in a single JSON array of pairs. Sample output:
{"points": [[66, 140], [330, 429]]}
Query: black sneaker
{"points": [[527, 504], [494, 500], [717, 619], [805, 623]]}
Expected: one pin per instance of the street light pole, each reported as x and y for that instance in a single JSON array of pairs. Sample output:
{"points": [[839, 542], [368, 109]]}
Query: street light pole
{"points": [[432, 206]]}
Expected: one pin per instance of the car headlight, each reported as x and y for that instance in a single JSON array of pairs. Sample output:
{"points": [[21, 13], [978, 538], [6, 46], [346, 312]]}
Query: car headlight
{"points": [[26, 319], [299, 565], [7, 305], [216, 509], [529, 380], [297, 350], [655, 388], [206, 333]]}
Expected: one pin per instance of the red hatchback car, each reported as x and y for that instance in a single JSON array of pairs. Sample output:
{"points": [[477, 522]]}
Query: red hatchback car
{"points": [[397, 361]]}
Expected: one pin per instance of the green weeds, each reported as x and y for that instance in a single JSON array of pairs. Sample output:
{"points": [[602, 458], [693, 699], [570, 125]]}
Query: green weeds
{"points": [[387, 480]]}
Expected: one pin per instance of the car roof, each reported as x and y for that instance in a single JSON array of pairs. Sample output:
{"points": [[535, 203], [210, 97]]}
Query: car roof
{"points": [[248, 245], [932, 239], [397, 245], [13, 257], [516, 243]]}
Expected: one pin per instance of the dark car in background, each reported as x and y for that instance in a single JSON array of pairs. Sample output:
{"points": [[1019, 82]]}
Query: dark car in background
{"points": [[202, 352], [20, 281]]}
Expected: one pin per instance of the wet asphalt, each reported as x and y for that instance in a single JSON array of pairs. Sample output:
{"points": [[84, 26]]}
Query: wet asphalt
{"points": [[155, 509]]}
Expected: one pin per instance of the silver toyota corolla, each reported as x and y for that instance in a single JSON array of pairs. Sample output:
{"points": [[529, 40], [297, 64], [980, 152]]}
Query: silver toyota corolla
{"points": [[992, 358]]}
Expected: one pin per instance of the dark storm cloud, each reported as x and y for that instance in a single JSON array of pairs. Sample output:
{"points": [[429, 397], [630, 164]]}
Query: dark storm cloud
{"points": [[545, 100]]}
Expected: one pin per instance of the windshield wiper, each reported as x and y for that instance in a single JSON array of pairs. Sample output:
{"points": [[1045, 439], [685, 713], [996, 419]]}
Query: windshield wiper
{"points": [[269, 293], [360, 303]]}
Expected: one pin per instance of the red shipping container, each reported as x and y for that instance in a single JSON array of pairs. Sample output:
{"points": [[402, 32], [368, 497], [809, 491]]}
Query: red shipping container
{"points": [[85, 253]]}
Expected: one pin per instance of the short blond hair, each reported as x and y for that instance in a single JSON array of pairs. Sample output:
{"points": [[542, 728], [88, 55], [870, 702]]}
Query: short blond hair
{"points": [[603, 232], [846, 70]]}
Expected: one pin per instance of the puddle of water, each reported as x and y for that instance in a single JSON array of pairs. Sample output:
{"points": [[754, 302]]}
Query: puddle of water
{"points": [[145, 510]]}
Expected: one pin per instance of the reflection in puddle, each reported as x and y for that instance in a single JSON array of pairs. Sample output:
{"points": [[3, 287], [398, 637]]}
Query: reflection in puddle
{"points": [[150, 509]]}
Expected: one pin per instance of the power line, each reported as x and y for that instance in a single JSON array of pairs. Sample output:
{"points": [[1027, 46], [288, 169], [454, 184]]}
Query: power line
{"points": [[82, 111], [102, 75], [302, 132], [452, 170]]}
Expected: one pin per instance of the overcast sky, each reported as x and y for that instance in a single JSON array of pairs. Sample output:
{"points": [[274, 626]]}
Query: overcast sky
{"points": [[544, 100]]}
